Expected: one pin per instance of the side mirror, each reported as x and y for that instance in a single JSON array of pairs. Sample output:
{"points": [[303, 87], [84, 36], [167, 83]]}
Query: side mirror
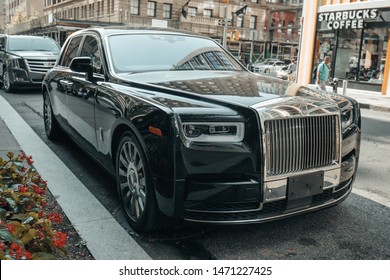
{"points": [[82, 65]]}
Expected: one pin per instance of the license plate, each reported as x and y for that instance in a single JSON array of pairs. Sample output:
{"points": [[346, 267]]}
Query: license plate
{"points": [[307, 185]]}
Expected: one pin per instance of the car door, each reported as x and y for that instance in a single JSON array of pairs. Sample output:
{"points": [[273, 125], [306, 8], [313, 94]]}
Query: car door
{"points": [[80, 100], [61, 83], [3, 41]]}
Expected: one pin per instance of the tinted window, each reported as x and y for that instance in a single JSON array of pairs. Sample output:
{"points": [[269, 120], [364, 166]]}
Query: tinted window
{"points": [[162, 52], [71, 51], [91, 48], [33, 44]]}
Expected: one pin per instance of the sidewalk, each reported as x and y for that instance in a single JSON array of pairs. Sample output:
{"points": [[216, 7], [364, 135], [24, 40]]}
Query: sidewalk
{"points": [[369, 99], [106, 239]]}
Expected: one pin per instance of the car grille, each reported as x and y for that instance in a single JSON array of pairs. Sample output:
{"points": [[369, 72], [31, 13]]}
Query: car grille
{"points": [[40, 66], [297, 144]]}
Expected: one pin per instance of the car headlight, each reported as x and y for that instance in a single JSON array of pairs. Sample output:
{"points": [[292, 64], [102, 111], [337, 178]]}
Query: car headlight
{"points": [[213, 132], [346, 118], [17, 62]]}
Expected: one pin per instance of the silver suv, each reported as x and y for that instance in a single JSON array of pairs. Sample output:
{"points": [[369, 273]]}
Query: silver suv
{"points": [[24, 60]]}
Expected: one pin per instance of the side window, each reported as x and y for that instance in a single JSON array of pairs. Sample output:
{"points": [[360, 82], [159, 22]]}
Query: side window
{"points": [[91, 48], [2, 42], [71, 51]]}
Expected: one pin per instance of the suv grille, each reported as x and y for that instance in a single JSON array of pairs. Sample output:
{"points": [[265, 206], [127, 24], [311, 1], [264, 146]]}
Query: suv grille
{"points": [[40, 66], [301, 143]]}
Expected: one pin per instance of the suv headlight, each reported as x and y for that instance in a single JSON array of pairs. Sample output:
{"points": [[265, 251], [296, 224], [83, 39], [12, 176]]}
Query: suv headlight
{"points": [[17, 62], [213, 132]]}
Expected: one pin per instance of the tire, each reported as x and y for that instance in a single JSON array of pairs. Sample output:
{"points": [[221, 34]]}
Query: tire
{"points": [[7, 85], [135, 185], [52, 127]]}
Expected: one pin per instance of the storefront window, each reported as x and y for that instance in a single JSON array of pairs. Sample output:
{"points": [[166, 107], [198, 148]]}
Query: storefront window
{"points": [[357, 42]]}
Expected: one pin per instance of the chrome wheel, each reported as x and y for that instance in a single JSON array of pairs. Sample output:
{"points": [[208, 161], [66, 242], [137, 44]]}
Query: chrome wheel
{"points": [[6, 83], [52, 128], [132, 181], [47, 114]]}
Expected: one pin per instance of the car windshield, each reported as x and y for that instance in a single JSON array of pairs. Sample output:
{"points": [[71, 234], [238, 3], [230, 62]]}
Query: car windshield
{"points": [[166, 52], [33, 44]]}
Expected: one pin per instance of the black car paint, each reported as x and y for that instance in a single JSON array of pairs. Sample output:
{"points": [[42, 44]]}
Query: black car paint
{"points": [[96, 112]]}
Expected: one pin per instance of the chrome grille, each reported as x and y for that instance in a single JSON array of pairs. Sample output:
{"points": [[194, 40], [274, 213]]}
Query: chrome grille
{"points": [[297, 144], [40, 66]]}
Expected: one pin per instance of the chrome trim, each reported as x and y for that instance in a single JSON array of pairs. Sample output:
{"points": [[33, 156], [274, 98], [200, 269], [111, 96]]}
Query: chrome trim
{"points": [[40, 65], [276, 217], [225, 211], [299, 144], [275, 190], [291, 111], [332, 178]]}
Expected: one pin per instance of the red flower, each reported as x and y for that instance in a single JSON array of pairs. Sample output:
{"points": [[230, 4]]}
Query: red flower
{"points": [[59, 240], [2, 246], [23, 189], [29, 160], [43, 203], [55, 218], [38, 190], [11, 228], [40, 213], [18, 252]]}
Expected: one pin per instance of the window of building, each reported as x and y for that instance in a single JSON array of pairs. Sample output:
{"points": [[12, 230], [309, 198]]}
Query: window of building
{"points": [[167, 10], [255, 1], [240, 21], [208, 13], [192, 11], [151, 9], [253, 22], [134, 7]]}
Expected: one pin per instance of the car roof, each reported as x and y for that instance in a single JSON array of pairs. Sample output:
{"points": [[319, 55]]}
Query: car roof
{"points": [[113, 30]]}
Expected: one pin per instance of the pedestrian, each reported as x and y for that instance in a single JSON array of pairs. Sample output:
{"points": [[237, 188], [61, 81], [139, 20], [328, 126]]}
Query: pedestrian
{"points": [[291, 70], [323, 72]]}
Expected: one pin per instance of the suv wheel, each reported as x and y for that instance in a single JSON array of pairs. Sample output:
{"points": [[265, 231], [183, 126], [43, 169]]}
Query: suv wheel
{"points": [[8, 86]]}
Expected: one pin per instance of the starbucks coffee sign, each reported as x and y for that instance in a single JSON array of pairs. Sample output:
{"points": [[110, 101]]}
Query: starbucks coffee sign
{"points": [[353, 19]]}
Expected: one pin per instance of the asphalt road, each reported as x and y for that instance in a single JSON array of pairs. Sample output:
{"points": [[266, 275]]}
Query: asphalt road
{"points": [[358, 228]]}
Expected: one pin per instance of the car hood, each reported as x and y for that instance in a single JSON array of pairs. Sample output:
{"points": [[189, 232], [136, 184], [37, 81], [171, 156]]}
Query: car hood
{"points": [[36, 54], [239, 87]]}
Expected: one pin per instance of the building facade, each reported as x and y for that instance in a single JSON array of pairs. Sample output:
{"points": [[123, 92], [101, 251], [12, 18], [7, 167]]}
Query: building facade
{"points": [[355, 34], [267, 28]]}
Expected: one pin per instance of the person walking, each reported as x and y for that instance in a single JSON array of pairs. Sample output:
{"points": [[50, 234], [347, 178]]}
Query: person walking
{"points": [[323, 72], [291, 70]]}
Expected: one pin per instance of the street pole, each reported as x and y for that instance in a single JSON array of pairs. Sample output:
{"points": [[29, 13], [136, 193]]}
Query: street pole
{"points": [[225, 22]]}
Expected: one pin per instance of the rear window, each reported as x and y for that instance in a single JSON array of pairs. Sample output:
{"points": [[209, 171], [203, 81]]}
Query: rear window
{"points": [[33, 44]]}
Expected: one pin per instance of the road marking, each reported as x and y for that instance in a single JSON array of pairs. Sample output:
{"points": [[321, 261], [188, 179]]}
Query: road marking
{"points": [[106, 238], [372, 196]]}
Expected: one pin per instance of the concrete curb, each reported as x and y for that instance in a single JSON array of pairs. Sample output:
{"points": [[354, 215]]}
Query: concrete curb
{"points": [[106, 238], [374, 107]]}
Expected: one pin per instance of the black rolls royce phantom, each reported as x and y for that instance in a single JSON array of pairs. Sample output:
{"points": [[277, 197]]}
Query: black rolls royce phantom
{"points": [[191, 135]]}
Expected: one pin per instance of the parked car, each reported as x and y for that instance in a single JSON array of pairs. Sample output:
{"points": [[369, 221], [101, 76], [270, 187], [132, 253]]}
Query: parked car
{"points": [[24, 60], [283, 73], [191, 135], [269, 66]]}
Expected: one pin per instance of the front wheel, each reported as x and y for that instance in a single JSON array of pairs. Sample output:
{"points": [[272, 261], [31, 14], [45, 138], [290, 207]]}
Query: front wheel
{"points": [[7, 85], [52, 128], [134, 183]]}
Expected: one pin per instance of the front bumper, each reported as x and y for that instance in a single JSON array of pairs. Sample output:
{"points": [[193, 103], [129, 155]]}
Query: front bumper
{"points": [[245, 200], [20, 78]]}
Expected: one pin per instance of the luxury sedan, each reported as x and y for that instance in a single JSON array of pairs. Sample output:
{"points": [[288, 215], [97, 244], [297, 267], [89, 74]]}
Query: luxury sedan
{"points": [[192, 136]]}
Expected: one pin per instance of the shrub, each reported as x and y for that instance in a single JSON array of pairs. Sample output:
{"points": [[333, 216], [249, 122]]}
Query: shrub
{"points": [[26, 229]]}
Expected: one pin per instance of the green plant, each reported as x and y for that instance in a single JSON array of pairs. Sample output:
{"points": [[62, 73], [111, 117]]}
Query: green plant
{"points": [[26, 229]]}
